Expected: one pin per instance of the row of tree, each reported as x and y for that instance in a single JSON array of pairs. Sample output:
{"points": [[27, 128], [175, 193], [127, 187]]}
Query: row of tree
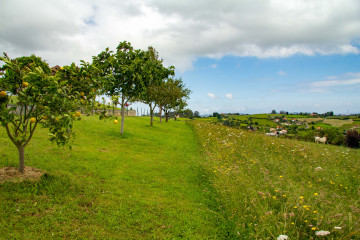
{"points": [[32, 94]]}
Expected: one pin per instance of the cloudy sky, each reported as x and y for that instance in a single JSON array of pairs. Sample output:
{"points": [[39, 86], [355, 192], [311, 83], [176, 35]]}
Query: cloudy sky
{"points": [[248, 56]]}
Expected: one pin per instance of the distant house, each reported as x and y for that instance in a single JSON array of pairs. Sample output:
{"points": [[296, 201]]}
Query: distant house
{"points": [[55, 69]]}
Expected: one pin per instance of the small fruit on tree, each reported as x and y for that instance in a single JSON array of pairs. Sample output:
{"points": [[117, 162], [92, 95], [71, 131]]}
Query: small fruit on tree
{"points": [[78, 114], [82, 94], [25, 84], [49, 98], [2, 94], [116, 121]]}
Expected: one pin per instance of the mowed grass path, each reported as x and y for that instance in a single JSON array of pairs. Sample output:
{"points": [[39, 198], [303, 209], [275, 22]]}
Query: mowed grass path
{"points": [[146, 184]]}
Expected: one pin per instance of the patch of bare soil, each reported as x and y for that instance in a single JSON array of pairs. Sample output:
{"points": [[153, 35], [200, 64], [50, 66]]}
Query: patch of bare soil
{"points": [[12, 174]]}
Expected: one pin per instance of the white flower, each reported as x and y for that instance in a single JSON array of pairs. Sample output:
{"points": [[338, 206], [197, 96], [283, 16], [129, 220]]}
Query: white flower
{"points": [[282, 237], [322, 233], [337, 228], [318, 168]]}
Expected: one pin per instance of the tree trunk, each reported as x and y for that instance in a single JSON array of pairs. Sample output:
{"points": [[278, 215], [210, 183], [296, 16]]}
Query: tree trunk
{"points": [[122, 114], [21, 150], [122, 120], [167, 116], [151, 116], [160, 113]]}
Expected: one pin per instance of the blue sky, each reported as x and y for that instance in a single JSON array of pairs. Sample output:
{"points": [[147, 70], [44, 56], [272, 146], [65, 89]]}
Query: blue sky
{"points": [[247, 56], [295, 84]]}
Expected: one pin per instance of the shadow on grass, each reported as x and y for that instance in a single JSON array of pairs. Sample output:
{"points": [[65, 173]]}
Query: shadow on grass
{"points": [[48, 185], [116, 134]]}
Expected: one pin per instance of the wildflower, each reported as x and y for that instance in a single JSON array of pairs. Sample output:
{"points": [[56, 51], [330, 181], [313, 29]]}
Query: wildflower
{"points": [[281, 176], [282, 237], [313, 228], [295, 207], [301, 197], [306, 221], [284, 195], [337, 228], [322, 233], [316, 194], [292, 223]]}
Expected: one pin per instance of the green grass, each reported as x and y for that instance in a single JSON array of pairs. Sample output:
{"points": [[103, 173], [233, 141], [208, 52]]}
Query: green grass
{"points": [[146, 184], [180, 180], [337, 122], [271, 186]]}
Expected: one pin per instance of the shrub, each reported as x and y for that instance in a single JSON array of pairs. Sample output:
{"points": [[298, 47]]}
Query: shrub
{"points": [[352, 139]]}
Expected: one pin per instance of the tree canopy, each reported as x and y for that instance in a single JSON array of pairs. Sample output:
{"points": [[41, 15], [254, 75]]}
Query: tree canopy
{"points": [[41, 98]]}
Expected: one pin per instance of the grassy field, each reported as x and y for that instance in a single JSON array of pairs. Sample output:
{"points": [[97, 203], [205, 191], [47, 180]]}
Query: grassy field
{"points": [[309, 120], [270, 186], [337, 122], [147, 184], [180, 181]]}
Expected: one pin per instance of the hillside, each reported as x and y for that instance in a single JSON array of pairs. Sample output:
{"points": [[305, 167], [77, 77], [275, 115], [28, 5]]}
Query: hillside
{"points": [[270, 186], [178, 180], [143, 185]]}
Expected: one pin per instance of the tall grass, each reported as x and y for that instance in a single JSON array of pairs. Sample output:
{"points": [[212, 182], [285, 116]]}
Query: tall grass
{"points": [[270, 186]]}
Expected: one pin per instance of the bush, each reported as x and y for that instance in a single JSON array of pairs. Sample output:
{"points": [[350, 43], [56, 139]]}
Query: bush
{"points": [[352, 139]]}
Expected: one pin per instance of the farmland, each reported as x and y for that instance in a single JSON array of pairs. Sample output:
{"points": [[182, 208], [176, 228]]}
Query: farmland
{"points": [[181, 179]]}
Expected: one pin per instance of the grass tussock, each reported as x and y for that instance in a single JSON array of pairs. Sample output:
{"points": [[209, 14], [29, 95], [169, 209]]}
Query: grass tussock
{"points": [[271, 187]]}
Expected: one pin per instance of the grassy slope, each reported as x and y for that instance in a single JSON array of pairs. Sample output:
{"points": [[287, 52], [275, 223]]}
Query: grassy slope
{"points": [[270, 186], [143, 185]]}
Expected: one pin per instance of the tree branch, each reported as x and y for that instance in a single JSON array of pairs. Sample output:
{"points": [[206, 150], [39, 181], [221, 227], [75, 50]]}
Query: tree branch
{"points": [[9, 134]]}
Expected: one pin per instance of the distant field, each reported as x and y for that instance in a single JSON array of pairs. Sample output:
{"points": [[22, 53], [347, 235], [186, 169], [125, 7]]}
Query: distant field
{"points": [[337, 122], [308, 120]]}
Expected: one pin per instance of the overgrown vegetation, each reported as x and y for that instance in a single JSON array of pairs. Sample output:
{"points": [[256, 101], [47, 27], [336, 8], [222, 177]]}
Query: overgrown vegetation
{"points": [[272, 186]]}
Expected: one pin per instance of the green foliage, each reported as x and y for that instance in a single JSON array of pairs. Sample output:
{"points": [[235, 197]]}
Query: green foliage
{"points": [[40, 99], [173, 94], [128, 73], [352, 139]]}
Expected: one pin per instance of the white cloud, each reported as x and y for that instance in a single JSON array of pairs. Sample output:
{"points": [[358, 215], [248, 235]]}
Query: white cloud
{"points": [[211, 95], [181, 31], [348, 79], [213, 66], [229, 96], [282, 73]]}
